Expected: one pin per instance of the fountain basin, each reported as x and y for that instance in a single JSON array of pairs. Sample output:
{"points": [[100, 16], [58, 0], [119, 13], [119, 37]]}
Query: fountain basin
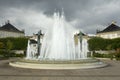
{"points": [[64, 64]]}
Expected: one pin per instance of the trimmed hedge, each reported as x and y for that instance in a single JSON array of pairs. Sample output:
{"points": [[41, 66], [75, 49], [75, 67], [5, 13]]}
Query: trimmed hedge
{"points": [[111, 55], [102, 55], [5, 54], [13, 43], [97, 43]]}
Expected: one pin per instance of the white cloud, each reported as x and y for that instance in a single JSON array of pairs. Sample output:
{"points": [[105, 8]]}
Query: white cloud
{"points": [[29, 20], [86, 15]]}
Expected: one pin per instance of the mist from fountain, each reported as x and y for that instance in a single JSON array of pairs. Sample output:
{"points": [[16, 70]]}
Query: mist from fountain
{"points": [[60, 49], [58, 42], [28, 52]]}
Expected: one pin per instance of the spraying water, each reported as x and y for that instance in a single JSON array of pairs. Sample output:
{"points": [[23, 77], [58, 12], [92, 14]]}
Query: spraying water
{"points": [[58, 43]]}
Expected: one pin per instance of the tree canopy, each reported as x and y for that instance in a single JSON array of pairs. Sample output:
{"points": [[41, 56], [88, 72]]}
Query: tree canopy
{"points": [[97, 43], [13, 43]]}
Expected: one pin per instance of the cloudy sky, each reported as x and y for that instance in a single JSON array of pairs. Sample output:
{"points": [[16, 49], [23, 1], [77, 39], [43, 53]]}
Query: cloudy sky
{"points": [[85, 15]]}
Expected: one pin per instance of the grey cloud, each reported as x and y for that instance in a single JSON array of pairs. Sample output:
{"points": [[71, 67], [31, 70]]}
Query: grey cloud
{"points": [[88, 13]]}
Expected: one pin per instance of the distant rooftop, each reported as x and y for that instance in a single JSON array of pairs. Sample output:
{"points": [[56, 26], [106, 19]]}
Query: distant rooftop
{"points": [[112, 27], [10, 27], [83, 34]]}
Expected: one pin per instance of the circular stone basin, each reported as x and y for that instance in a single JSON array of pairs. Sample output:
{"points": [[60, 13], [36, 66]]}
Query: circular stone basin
{"points": [[58, 64]]}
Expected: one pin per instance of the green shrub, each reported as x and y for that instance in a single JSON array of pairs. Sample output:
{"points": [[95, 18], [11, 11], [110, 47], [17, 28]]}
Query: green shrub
{"points": [[117, 56], [97, 43], [19, 55], [97, 55], [1, 45], [103, 55], [6, 54], [111, 55], [14, 43]]}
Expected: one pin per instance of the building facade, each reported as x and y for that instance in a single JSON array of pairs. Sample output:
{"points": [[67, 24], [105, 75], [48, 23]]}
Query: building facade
{"points": [[8, 30], [111, 32]]}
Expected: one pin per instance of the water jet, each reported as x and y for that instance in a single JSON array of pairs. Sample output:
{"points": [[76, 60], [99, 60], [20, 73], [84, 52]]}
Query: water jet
{"points": [[60, 49]]}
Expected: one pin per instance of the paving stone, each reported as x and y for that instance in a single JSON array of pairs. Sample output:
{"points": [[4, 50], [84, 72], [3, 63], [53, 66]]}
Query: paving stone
{"points": [[111, 72]]}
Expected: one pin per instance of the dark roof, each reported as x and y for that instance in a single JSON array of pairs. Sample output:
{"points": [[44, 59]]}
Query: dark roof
{"points": [[83, 34], [33, 41], [10, 27], [110, 28]]}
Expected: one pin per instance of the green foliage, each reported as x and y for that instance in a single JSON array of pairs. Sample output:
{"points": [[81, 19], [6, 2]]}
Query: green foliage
{"points": [[3, 54], [19, 55], [110, 55], [102, 55], [9, 45], [1, 45], [7, 54], [20, 43], [97, 43], [116, 43], [13, 43], [117, 56], [97, 55]]}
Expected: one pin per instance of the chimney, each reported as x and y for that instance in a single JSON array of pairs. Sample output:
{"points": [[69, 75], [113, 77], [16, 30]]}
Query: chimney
{"points": [[114, 22], [8, 21]]}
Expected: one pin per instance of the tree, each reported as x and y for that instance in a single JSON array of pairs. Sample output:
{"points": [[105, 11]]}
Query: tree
{"points": [[96, 43], [1, 45], [19, 43], [116, 43], [9, 45]]}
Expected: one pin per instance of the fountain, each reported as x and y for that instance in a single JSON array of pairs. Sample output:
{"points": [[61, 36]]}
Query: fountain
{"points": [[60, 49], [61, 42]]}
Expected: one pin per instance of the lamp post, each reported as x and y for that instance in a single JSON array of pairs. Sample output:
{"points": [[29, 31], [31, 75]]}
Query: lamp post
{"points": [[80, 38], [38, 42]]}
